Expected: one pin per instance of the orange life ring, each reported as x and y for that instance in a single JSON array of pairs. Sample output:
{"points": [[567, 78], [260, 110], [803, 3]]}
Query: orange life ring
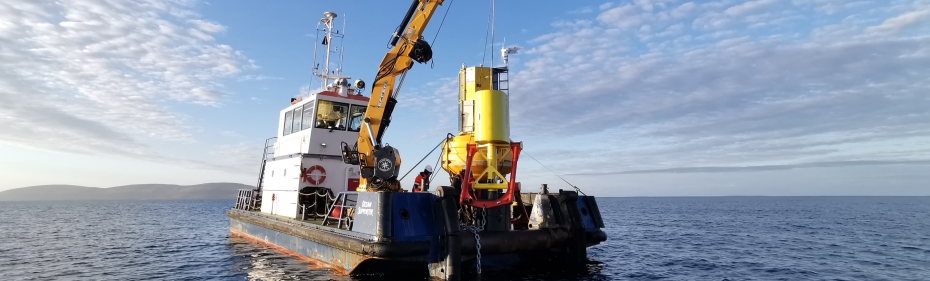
{"points": [[306, 175]]}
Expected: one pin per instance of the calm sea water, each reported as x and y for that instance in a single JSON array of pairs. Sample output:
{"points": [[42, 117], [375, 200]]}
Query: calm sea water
{"points": [[738, 238]]}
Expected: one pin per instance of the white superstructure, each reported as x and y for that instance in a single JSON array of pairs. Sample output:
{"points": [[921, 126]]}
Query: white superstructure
{"points": [[306, 164]]}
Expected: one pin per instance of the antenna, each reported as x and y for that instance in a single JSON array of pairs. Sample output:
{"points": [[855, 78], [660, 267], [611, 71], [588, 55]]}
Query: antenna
{"points": [[342, 43], [331, 78], [505, 52], [315, 66]]}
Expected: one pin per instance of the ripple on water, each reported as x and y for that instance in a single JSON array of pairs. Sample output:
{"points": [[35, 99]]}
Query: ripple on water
{"points": [[729, 238]]}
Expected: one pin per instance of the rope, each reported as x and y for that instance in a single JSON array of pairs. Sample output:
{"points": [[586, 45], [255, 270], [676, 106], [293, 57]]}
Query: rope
{"points": [[421, 160], [445, 144], [557, 175]]}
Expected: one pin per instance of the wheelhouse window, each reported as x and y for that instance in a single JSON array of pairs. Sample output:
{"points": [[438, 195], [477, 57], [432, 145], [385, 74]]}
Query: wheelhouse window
{"points": [[288, 120], [331, 115], [356, 114], [298, 112], [307, 116]]}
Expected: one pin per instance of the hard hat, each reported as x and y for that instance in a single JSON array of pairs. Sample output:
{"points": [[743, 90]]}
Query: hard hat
{"points": [[429, 168]]}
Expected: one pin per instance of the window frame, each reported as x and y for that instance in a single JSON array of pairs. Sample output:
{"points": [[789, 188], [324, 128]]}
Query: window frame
{"points": [[288, 122], [295, 126], [334, 104], [349, 118], [305, 122]]}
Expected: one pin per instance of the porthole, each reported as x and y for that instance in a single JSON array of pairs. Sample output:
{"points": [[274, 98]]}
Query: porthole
{"points": [[404, 213]]}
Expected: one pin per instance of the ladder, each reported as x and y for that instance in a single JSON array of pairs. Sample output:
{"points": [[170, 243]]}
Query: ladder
{"points": [[502, 77], [267, 153]]}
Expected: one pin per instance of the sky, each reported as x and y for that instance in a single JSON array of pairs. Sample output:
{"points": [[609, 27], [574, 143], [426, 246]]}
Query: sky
{"points": [[622, 98]]}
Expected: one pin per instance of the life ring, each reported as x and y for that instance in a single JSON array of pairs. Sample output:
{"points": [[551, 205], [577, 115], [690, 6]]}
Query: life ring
{"points": [[306, 175]]}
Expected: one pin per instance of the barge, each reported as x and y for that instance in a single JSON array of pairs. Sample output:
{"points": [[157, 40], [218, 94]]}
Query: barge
{"points": [[341, 205]]}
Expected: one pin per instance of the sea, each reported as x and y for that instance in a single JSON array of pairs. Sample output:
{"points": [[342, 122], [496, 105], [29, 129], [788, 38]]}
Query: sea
{"points": [[690, 238]]}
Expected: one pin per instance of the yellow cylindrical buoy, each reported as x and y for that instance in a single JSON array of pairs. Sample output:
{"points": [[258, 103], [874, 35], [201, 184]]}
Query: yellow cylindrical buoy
{"points": [[492, 117]]}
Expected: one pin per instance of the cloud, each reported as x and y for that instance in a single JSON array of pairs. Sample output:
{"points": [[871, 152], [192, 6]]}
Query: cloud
{"points": [[683, 10], [92, 77], [624, 17], [238, 157], [763, 168], [433, 101], [252, 77], [898, 23], [207, 26], [747, 7], [831, 6], [782, 94]]}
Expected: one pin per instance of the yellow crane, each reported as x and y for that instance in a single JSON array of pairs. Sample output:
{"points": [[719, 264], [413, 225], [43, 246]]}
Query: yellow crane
{"points": [[380, 163]]}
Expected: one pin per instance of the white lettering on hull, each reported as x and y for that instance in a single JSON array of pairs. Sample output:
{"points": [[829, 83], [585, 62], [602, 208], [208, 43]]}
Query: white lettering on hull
{"points": [[365, 209]]}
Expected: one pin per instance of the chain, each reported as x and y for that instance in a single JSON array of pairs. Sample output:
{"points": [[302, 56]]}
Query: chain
{"points": [[474, 229], [484, 216], [323, 193]]}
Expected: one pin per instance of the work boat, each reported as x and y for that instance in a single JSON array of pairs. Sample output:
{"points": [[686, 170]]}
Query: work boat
{"points": [[318, 197]]}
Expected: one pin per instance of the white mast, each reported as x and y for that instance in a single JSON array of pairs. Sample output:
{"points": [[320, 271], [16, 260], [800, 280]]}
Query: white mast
{"points": [[330, 80]]}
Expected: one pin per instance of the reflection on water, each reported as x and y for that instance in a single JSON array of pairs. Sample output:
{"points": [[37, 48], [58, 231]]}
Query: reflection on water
{"points": [[260, 262]]}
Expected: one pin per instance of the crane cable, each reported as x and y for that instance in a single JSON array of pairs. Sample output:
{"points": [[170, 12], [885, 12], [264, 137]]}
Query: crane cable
{"points": [[441, 22], [486, 32], [557, 175], [432, 62]]}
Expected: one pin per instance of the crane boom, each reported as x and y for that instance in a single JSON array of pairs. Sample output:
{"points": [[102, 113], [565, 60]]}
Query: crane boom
{"points": [[380, 164]]}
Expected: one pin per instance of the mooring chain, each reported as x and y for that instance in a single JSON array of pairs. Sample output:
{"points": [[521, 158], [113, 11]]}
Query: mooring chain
{"points": [[484, 220], [474, 230]]}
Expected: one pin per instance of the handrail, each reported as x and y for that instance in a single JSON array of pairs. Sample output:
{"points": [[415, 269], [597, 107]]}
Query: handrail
{"points": [[345, 207], [246, 200]]}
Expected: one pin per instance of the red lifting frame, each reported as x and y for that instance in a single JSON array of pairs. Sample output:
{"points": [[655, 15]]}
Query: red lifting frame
{"points": [[507, 199]]}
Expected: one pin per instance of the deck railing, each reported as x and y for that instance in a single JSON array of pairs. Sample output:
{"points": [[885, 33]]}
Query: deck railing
{"points": [[247, 200], [342, 211]]}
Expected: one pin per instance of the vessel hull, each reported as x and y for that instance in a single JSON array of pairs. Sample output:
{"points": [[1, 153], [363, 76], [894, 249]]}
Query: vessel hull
{"points": [[330, 251], [406, 238]]}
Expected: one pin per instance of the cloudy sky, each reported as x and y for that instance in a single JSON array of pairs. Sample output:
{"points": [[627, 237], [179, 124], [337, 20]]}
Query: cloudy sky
{"points": [[623, 98]]}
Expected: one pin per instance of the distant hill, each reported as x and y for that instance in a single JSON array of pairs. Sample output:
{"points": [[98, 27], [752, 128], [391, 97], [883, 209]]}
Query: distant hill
{"points": [[126, 192]]}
